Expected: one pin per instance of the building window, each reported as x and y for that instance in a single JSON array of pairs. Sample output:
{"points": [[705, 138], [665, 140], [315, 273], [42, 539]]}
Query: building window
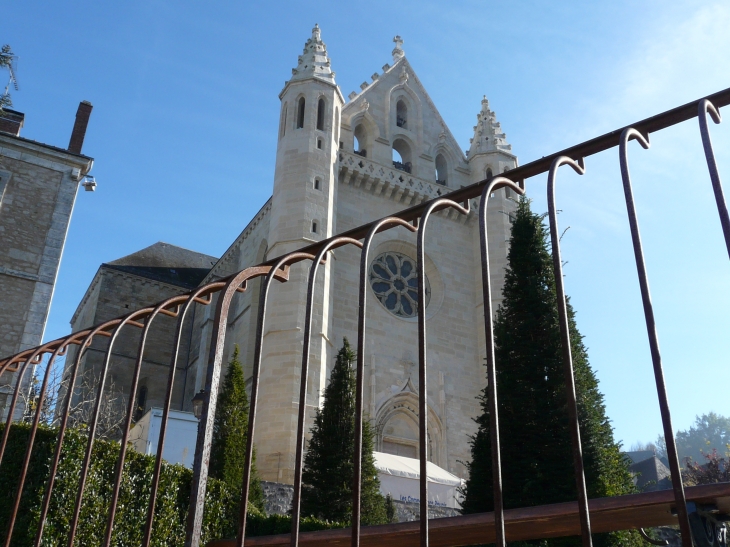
{"points": [[320, 115], [314, 226], [401, 114], [141, 403], [319, 144], [360, 141], [441, 169], [316, 184], [489, 173], [282, 123], [394, 281], [300, 113], [402, 156]]}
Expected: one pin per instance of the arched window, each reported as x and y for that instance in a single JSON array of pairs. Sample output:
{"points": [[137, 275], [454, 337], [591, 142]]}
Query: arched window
{"points": [[316, 184], [300, 113], [489, 173], [507, 192], [282, 123], [320, 115], [441, 169], [402, 155], [314, 226], [401, 114], [360, 142]]}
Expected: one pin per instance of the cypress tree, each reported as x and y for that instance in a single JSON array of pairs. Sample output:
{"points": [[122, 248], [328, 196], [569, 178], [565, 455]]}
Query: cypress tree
{"points": [[328, 468], [230, 431], [537, 464]]}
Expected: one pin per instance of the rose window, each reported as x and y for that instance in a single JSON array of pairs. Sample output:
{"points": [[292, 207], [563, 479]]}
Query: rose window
{"points": [[394, 281]]}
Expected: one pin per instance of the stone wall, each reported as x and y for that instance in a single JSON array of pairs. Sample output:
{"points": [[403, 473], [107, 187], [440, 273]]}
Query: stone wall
{"points": [[278, 499], [114, 294], [38, 185]]}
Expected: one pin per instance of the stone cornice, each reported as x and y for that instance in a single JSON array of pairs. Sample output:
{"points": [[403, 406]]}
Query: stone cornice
{"points": [[41, 154]]}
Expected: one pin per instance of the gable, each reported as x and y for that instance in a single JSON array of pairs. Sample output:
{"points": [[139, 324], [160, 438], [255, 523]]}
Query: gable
{"points": [[423, 126]]}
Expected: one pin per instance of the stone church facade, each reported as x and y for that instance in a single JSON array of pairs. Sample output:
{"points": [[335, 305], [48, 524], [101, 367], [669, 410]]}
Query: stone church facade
{"points": [[339, 164]]}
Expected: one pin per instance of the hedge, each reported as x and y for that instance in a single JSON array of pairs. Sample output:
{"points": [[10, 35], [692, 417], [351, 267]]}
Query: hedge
{"points": [[221, 509]]}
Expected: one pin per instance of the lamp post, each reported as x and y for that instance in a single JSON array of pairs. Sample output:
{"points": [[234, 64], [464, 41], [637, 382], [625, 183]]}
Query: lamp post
{"points": [[198, 401]]}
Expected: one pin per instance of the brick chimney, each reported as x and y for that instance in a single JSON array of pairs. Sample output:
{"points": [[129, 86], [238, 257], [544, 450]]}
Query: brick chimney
{"points": [[79, 130], [11, 121]]}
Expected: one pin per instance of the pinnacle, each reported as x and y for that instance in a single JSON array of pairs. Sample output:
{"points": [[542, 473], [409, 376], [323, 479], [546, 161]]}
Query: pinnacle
{"points": [[314, 61], [488, 135]]}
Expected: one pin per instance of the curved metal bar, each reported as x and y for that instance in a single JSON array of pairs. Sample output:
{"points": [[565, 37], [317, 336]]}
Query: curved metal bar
{"points": [[435, 205], [496, 183], [332, 243], [20, 358], [646, 538], [283, 265], [580, 479], [150, 313], [189, 300], [704, 108], [87, 338], [29, 446], [94, 422], [16, 394], [6, 362], [379, 226], [656, 358], [205, 433]]}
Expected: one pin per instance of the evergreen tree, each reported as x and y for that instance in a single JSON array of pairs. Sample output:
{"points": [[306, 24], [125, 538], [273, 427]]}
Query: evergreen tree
{"points": [[390, 513], [230, 431], [328, 468], [537, 463]]}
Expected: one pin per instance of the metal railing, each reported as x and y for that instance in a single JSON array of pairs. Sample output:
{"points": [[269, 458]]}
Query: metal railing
{"points": [[414, 219]]}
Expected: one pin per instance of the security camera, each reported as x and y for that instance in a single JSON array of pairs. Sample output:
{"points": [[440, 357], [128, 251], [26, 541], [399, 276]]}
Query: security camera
{"points": [[89, 183]]}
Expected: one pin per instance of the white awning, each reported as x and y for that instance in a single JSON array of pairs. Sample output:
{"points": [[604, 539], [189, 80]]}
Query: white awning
{"points": [[399, 476]]}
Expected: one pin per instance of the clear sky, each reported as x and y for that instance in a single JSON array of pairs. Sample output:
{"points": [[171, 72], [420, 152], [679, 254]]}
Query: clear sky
{"points": [[186, 111]]}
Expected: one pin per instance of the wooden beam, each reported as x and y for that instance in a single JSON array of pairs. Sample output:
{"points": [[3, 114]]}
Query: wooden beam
{"points": [[545, 521]]}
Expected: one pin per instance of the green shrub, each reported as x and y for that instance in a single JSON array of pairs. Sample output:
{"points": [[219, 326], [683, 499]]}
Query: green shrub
{"points": [[220, 519]]}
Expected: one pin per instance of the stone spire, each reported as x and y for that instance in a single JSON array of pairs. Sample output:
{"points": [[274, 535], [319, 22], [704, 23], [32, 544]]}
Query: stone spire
{"points": [[488, 136], [314, 62], [398, 50]]}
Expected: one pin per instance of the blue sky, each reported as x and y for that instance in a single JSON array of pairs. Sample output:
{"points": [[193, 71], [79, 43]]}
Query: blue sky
{"points": [[186, 110]]}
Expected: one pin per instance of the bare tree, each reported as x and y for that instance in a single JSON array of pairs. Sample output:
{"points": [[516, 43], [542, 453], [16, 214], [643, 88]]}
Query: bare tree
{"points": [[112, 408]]}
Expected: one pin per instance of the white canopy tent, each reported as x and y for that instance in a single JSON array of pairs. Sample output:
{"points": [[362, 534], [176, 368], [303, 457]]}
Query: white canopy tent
{"points": [[399, 476]]}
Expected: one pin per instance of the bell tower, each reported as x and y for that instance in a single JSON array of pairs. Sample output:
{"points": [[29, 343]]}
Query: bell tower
{"points": [[303, 212], [304, 180]]}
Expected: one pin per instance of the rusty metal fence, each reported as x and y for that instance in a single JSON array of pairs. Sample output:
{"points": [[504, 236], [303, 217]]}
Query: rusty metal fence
{"points": [[414, 219]]}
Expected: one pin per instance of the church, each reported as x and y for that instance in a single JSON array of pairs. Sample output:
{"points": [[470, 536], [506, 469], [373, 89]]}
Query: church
{"points": [[340, 163]]}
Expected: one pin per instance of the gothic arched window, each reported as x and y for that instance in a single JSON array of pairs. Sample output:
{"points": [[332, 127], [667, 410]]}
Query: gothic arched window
{"points": [[489, 173], [300, 113], [360, 142], [401, 114], [320, 115], [402, 155], [441, 169]]}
